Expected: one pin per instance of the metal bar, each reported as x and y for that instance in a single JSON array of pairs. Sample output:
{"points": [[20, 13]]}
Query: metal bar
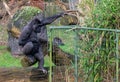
{"points": [[117, 58], [76, 55], [86, 28], [50, 71], [50, 49]]}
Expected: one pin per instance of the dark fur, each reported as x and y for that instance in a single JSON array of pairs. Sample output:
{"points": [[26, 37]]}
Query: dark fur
{"points": [[32, 36]]}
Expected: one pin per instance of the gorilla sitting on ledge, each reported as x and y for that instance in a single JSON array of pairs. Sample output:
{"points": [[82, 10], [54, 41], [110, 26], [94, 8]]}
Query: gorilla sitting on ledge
{"points": [[30, 43]]}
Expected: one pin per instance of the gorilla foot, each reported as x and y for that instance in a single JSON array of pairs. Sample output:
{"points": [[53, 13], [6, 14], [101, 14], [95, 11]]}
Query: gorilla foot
{"points": [[44, 71]]}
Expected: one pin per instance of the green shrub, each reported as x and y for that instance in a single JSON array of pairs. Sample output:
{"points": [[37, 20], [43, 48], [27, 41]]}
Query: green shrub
{"points": [[99, 65], [105, 14]]}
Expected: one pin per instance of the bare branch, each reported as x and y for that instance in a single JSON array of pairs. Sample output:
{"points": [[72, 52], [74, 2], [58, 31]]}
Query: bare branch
{"points": [[7, 8]]}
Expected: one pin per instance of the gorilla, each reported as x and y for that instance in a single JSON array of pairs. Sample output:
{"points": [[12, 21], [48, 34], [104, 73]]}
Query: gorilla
{"points": [[30, 42]]}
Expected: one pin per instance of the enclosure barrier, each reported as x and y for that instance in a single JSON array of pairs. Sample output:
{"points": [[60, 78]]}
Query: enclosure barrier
{"points": [[94, 57], [106, 43]]}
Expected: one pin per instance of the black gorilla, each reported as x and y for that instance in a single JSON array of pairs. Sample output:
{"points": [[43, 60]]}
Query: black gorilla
{"points": [[30, 42]]}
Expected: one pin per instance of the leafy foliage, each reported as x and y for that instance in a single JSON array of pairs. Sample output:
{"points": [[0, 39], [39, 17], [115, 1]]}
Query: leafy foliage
{"points": [[98, 49], [26, 13], [105, 14]]}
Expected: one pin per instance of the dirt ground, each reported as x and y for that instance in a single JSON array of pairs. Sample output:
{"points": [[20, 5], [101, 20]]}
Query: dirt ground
{"points": [[8, 9], [60, 74]]}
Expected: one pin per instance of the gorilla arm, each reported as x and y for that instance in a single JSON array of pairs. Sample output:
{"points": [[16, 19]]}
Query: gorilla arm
{"points": [[51, 19], [48, 20]]}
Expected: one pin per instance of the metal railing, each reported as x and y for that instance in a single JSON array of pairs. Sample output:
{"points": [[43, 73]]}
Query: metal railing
{"points": [[75, 29]]}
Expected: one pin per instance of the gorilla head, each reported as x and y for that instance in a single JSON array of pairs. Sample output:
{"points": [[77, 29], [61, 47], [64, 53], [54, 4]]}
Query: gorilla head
{"points": [[58, 41]]}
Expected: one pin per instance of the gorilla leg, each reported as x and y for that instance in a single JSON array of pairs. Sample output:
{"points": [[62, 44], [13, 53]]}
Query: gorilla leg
{"points": [[40, 58], [29, 58], [27, 48]]}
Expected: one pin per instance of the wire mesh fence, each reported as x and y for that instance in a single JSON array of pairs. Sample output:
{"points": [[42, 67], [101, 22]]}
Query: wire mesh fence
{"points": [[85, 55], [95, 54]]}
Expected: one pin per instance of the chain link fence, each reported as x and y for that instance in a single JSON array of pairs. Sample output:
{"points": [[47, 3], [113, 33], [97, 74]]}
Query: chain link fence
{"points": [[96, 54], [87, 55]]}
